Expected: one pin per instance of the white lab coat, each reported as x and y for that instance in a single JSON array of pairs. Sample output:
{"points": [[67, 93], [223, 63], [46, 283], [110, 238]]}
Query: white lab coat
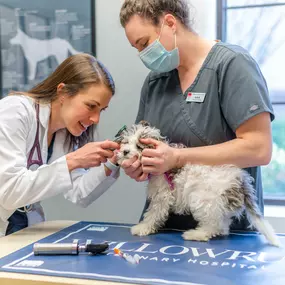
{"points": [[20, 186]]}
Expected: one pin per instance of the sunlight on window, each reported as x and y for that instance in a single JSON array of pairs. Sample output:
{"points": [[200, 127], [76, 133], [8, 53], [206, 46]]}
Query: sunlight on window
{"points": [[251, 28], [274, 173]]}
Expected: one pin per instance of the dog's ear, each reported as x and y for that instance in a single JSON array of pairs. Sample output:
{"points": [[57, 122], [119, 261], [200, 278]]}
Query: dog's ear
{"points": [[152, 133], [160, 138], [144, 123]]}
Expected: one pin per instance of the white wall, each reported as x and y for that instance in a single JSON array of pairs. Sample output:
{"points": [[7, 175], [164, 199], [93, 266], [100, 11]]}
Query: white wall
{"points": [[124, 201], [204, 17]]}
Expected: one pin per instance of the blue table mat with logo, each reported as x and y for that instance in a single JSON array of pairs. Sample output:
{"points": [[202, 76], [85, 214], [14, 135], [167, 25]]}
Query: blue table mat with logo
{"points": [[165, 258]]}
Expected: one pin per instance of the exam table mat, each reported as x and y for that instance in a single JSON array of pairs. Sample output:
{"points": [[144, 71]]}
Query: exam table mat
{"points": [[243, 258]]}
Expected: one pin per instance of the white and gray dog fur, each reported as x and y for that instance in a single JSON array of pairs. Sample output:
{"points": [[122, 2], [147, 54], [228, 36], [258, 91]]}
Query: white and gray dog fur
{"points": [[212, 194]]}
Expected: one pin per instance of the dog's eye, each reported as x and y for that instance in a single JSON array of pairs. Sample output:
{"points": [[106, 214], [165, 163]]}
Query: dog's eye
{"points": [[139, 147]]}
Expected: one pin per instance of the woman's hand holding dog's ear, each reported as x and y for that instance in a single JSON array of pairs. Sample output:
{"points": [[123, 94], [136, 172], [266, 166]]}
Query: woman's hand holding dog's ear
{"points": [[160, 159], [91, 155], [133, 169]]}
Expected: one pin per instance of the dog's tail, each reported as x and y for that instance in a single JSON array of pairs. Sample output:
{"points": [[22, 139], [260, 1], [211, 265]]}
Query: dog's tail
{"points": [[254, 215]]}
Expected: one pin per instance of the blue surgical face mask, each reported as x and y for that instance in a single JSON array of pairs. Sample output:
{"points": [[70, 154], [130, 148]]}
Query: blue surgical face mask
{"points": [[156, 58]]}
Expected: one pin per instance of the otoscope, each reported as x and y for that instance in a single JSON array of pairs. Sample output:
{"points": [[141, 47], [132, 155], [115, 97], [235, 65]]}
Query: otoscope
{"points": [[118, 136], [68, 248]]}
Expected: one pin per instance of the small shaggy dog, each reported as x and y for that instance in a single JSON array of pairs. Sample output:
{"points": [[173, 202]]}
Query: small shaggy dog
{"points": [[213, 194]]}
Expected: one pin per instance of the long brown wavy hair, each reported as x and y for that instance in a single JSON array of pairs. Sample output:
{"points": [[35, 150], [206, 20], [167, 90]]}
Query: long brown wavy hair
{"points": [[77, 72]]}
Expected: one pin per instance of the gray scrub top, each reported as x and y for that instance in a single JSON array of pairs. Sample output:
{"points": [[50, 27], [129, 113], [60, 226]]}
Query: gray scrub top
{"points": [[235, 90]]}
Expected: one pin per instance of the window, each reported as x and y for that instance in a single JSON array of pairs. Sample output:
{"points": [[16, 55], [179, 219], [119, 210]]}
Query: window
{"points": [[258, 26]]}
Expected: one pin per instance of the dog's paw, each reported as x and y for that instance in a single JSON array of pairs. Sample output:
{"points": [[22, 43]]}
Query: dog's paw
{"points": [[197, 235], [142, 229]]}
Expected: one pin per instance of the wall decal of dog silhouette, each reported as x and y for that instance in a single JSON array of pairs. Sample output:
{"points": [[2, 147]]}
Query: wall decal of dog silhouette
{"points": [[36, 50]]}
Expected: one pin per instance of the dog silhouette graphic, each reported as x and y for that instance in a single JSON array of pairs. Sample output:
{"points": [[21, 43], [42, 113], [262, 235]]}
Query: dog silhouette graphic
{"points": [[36, 50]]}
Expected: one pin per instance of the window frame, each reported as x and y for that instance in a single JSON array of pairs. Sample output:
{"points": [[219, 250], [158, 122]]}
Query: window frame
{"points": [[221, 35]]}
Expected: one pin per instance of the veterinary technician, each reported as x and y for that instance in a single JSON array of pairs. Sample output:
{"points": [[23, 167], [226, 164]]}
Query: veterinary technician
{"points": [[210, 96], [46, 143]]}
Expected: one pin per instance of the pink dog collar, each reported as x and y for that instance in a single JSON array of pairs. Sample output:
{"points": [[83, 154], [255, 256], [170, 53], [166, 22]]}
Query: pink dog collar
{"points": [[168, 178]]}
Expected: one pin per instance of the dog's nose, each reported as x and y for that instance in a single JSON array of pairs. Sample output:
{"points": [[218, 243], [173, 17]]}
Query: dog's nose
{"points": [[126, 152]]}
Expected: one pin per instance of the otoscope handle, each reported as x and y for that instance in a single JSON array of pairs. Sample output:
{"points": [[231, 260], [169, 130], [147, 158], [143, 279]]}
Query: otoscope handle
{"points": [[56, 248], [68, 248]]}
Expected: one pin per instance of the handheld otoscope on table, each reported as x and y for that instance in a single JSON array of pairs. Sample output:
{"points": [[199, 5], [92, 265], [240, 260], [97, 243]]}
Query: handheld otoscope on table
{"points": [[68, 248]]}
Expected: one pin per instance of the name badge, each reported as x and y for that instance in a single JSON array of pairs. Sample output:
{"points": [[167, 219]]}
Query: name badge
{"points": [[195, 97]]}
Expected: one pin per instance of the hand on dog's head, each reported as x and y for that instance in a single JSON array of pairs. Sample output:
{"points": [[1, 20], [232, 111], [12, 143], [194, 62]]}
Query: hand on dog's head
{"points": [[130, 140]]}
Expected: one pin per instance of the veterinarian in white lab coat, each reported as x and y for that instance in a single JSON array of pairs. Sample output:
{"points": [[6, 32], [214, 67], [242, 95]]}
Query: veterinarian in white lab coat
{"points": [[46, 143], [210, 96]]}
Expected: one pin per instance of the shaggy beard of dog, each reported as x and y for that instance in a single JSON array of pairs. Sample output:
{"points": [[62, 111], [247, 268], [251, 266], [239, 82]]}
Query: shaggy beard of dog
{"points": [[212, 194]]}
